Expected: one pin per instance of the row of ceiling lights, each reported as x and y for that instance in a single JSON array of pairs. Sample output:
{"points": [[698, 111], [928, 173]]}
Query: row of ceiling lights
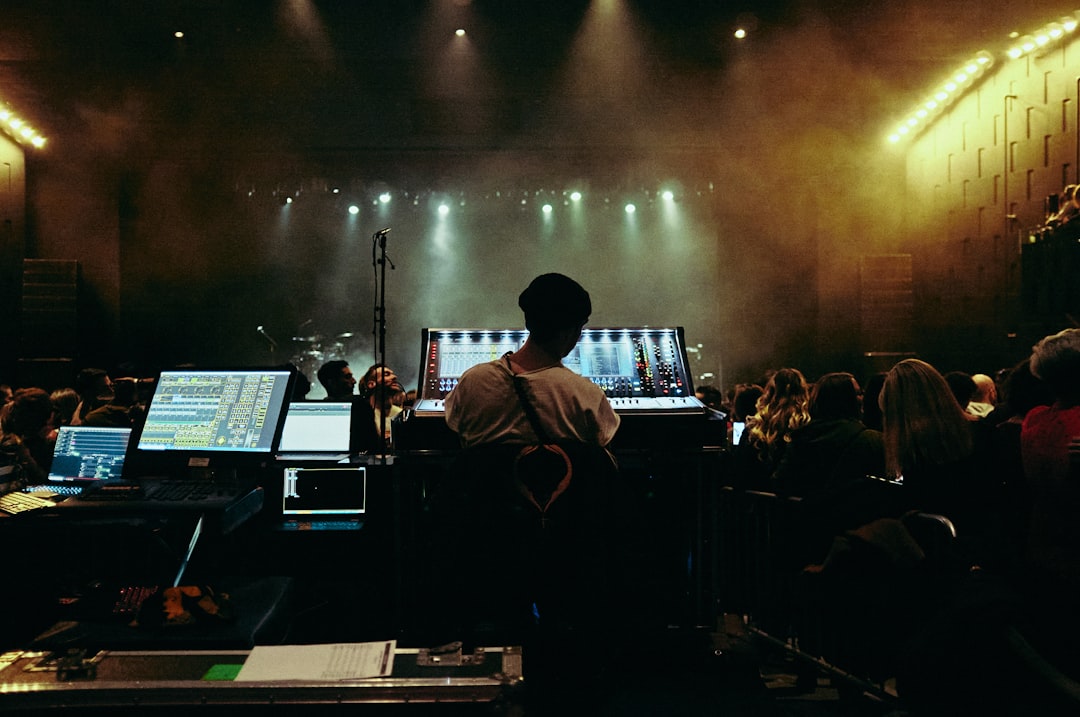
{"points": [[444, 208], [18, 128], [964, 77]]}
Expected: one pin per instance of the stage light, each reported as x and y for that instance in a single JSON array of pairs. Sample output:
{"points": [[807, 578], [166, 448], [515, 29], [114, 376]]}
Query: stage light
{"points": [[547, 209], [460, 32], [354, 210], [740, 34], [443, 210], [630, 209], [384, 197], [668, 195], [575, 196]]}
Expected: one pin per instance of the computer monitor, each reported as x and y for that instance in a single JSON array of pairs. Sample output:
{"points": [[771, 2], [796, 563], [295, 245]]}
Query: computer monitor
{"points": [[205, 417], [317, 427], [314, 492]]}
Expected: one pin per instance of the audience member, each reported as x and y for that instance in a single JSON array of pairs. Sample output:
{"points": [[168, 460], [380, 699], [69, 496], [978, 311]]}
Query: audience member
{"points": [[871, 414], [1068, 206], [122, 410], [784, 406], [827, 464], [985, 398], [377, 375], [385, 396], [835, 447], [95, 390], [1052, 560], [942, 456], [65, 401], [962, 386], [302, 385], [1054, 538], [337, 378], [26, 427], [712, 397], [743, 403], [1020, 392]]}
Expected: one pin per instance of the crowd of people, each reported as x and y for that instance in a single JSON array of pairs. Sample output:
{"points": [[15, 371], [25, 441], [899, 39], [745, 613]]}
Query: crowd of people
{"points": [[998, 456], [30, 417]]}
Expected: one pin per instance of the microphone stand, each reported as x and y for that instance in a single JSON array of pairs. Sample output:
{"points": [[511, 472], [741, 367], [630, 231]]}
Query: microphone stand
{"points": [[380, 261], [270, 340]]}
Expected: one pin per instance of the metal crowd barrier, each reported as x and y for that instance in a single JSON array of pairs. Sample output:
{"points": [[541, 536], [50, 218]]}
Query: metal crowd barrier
{"points": [[759, 576]]}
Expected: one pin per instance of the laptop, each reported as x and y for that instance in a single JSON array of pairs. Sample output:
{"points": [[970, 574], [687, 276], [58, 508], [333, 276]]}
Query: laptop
{"points": [[323, 497], [85, 455], [316, 431]]}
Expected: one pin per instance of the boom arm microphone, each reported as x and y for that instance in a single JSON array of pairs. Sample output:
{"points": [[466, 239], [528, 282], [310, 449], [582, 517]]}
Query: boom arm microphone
{"points": [[265, 335]]}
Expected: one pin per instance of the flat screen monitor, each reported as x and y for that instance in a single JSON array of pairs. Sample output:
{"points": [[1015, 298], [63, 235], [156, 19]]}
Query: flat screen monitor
{"points": [[216, 412], [85, 454], [317, 427], [312, 492]]}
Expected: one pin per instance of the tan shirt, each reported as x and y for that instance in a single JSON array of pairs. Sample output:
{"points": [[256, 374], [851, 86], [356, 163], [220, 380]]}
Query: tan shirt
{"points": [[484, 407]]}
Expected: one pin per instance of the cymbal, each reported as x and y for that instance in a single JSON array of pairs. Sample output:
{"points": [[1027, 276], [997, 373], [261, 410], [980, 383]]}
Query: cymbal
{"points": [[307, 339], [346, 335]]}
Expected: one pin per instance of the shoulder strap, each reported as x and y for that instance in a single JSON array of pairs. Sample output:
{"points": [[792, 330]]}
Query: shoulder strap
{"points": [[526, 405]]}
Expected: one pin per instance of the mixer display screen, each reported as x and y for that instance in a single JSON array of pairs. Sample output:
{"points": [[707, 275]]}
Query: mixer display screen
{"points": [[632, 365]]}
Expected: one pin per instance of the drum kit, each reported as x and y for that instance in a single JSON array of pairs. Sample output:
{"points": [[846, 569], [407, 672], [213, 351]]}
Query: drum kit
{"points": [[311, 352]]}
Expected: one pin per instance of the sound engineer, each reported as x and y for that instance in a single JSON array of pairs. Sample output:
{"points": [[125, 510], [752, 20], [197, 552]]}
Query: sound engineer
{"points": [[484, 408]]}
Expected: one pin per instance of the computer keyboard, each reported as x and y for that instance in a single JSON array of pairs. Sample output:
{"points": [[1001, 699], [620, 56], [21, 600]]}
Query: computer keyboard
{"points": [[180, 490], [21, 502], [167, 490]]}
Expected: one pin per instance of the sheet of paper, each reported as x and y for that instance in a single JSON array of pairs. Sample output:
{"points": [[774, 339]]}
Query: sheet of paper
{"points": [[330, 662]]}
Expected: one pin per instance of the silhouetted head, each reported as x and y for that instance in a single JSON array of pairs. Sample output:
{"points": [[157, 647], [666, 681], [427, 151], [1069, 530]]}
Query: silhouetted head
{"points": [[1056, 360], [337, 378], [836, 396], [554, 303]]}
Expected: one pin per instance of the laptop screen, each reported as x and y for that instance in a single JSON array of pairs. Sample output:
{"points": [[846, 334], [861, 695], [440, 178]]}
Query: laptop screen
{"points": [[317, 426], [312, 492], [86, 453]]}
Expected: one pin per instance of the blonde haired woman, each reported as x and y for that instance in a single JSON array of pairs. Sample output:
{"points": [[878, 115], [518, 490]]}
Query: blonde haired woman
{"points": [[783, 407]]}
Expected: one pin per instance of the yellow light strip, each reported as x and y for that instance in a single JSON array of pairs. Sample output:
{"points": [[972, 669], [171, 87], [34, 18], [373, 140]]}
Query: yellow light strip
{"points": [[956, 84], [960, 81], [1044, 36], [18, 129]]}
